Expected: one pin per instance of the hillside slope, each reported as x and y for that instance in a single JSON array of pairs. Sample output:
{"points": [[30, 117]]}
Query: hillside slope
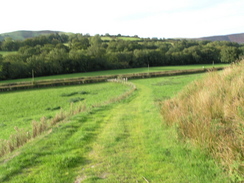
{"points": [[23, 34], [210, 112], [238, 38]]}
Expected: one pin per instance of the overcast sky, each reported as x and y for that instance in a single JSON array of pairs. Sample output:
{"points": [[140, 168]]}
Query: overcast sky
{"points": [[150, 18]]}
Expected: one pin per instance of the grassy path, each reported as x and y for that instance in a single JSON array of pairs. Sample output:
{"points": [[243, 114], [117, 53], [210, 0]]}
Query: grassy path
{"points": [[121, 142], [134, 146]]}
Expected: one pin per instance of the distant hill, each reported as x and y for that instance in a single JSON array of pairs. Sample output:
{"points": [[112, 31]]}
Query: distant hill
{"points": [[238, 38], [21, 35]]}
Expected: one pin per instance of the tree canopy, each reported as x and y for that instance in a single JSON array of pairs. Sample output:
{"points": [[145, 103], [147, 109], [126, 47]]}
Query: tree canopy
{"points": [[60, 54]]}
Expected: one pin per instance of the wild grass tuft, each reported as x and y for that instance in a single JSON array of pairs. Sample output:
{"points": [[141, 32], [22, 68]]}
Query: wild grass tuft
{"points": [[77, 109], [39, 127], [15, 141], [210, 112], [58, 117]]}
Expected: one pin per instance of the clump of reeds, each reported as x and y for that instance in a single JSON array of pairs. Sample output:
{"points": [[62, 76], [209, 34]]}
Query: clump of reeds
{"points": [[3, 148], [19, 138], [77, 109], [58, 117], [39, 127], [210, 112]]}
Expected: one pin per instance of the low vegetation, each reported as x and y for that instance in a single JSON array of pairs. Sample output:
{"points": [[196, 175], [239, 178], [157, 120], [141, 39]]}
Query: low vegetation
{"points": [[210, 113], [120, 142], [83, 134], [21, 136]]}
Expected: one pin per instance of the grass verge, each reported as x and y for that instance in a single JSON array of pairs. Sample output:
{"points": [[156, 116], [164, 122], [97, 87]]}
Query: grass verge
{"points": [[210, 113]]}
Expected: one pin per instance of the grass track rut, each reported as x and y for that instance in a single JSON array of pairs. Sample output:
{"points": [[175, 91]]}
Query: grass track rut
{"points": [[133, 145], [126, 141]]}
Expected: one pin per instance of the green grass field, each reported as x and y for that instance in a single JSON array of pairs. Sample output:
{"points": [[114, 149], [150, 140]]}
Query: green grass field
{"points": [[126, 141], [123, 38], [4, 53], [116, 72], [20, 108]]}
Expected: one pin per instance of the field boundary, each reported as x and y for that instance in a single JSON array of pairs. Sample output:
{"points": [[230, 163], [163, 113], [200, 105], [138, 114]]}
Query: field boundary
{"points": [[96, 79]]}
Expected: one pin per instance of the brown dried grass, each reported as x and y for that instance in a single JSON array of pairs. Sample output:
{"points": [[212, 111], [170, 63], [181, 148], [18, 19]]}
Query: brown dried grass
{"points": [[210, 112]]}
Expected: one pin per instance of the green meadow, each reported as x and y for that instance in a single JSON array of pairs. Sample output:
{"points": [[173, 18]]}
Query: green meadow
{"points": [[117, 72], [4, 53], [20, 108], [123, 141], [106, 38]]}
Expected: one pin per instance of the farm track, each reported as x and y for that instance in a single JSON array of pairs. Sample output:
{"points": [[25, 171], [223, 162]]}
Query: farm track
{"points": [[121, 136], [132, 145]]}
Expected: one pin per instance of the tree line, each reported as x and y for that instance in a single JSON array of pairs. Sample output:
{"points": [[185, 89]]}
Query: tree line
{"points": [[61, 54]]}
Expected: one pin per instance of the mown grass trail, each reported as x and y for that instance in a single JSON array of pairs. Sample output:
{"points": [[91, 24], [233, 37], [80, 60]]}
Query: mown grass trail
{"points": [[122, 142], [133, 145]]}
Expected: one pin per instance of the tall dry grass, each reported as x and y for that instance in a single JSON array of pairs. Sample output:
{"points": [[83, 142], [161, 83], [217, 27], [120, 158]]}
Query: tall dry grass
{"points": [[16, 140], [210, 112]]}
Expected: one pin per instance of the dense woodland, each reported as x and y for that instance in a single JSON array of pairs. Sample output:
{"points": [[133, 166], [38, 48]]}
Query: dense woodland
{"points": [[60, 54]]}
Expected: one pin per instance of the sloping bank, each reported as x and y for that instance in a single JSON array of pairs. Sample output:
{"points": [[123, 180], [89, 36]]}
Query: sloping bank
{"points": [[210, 114]]}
